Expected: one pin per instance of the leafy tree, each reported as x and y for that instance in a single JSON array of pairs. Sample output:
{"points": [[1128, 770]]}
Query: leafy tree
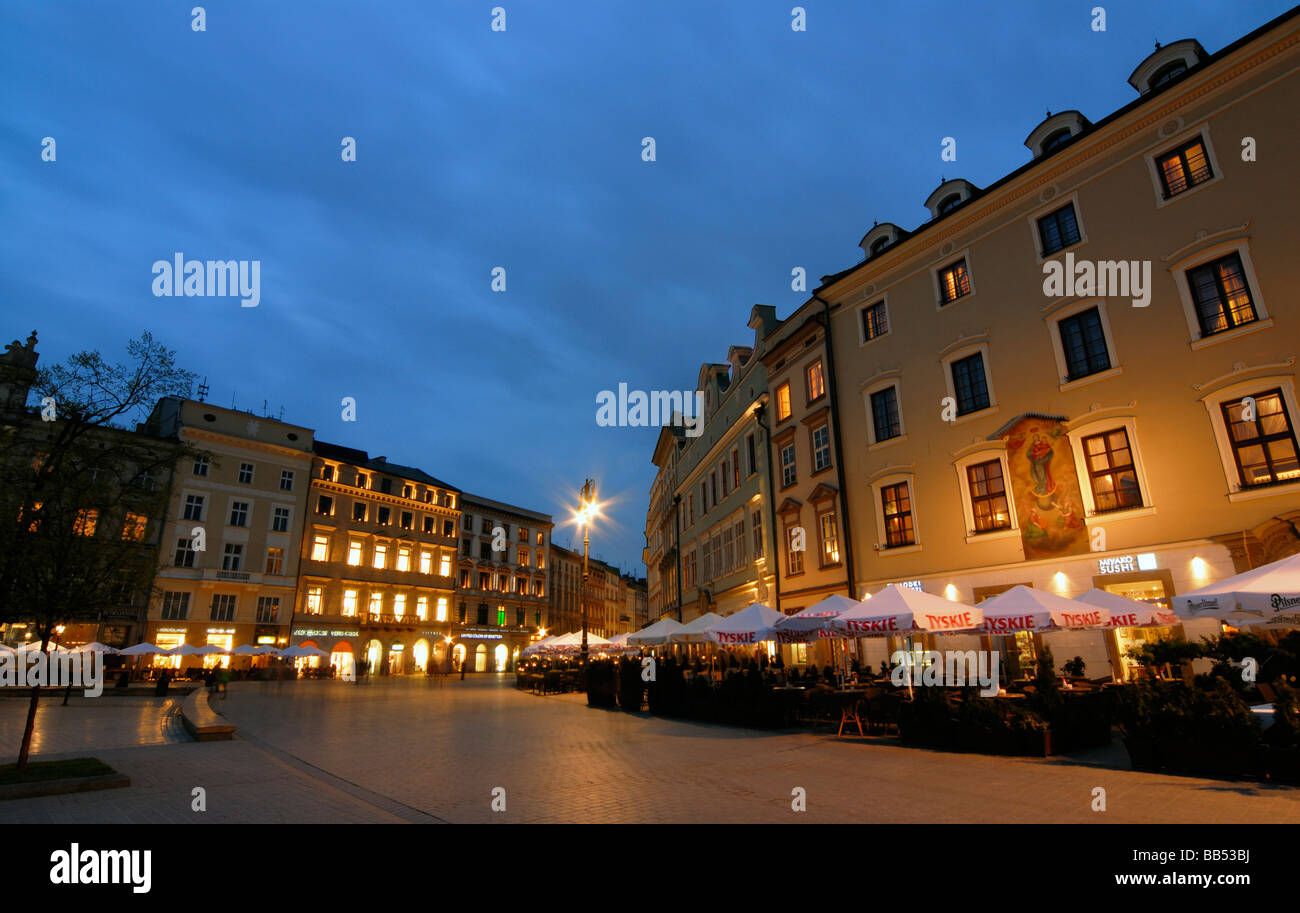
{"points": [[82, 496]]}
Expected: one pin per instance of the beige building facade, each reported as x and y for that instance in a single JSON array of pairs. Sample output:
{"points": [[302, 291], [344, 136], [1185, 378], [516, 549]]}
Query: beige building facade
{"points": [[378, 566], [1084, 375], [233, 530]]}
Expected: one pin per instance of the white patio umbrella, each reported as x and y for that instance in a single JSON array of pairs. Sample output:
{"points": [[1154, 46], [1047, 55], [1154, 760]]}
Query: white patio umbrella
{"points": [[295, 652], [210, 650], [4, 649], [183, 650], [695, 631], [538, 646], [35, 647], [95, 647], [617, 643], [144, 649], [1269, 594], [1128, 613], [751, 625], [572, 642], [898, 610], [818, 616], [655, 634], [1024, 608], [245, 650], [265, 650]]}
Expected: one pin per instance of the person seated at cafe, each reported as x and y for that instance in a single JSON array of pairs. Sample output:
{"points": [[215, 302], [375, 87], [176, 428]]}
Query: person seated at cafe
{"points": [[811, 673], [794, 676]]}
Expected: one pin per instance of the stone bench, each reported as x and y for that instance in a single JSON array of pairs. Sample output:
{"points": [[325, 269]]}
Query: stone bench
{"points": [[202, 721]]}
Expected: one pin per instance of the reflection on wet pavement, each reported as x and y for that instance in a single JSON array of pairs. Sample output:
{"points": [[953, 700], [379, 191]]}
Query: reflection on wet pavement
{"points": [[90, 723]]}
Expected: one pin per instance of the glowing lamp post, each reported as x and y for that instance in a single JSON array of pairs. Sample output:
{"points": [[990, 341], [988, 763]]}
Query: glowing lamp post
{"points": [[588, 510]]}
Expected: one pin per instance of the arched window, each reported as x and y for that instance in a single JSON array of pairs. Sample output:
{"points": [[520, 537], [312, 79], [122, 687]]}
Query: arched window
{"points": [[1057, 139], [878, 245], [1168, 72], [949, 203]]}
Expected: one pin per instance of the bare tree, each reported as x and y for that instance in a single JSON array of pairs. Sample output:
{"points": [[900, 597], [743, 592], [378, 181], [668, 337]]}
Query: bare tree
{"points": [[82, 495]]}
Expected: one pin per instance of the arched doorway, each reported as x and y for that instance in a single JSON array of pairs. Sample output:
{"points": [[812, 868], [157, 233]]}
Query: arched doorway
{"points": [[343, 661], [480, 658], [397, 659], [420, 655], [501, 657], [439, 660], [458, 657], [374, 653]]}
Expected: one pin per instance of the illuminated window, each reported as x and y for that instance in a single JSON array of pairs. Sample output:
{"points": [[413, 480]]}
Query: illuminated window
{"points": [[875, 321], [896, 502], [1264, 444], [376, 603], [793, 556], [501, 616], [422, 608], [1111, 471], [540, 560], [426, 563], [354, 554], [830, 538], [349, 602], [988, 496], [274, 560], [133, 527], [954, 282], [399, 604], [86, 521], [268, 609], [314, 595], [444, 566], [816, 381], [320, 548], [442, 608], [1183, 168], [1222, 295], [403, 559], [381, 557], [782, 402]]}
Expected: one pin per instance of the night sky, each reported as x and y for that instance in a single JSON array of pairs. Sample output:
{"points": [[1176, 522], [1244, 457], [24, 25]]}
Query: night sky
{"points": [[519, 149]]}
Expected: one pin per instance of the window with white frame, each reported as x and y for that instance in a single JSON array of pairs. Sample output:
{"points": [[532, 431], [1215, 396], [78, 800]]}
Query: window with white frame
{"points": [[821, 447]]}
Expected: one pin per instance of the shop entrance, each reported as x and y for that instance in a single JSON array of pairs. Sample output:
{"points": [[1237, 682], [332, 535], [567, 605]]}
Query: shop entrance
{"points": [[343, 661], [396, 659], [1155, 587], [501, 657], [420, 655]]}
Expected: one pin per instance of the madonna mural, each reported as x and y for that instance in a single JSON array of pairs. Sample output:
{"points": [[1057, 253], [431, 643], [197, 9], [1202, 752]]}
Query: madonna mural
{"points": [[1046, 488]]}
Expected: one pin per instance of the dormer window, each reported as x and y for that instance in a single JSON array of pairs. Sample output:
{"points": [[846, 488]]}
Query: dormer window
{"points": [[1166, 64], [881, 237], [1055, 131], [879, 245], [1057, 139], [948, 196], [1168, 72]]}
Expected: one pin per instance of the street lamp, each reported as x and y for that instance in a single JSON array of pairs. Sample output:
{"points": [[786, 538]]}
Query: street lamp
{"points": [[588, 511]]}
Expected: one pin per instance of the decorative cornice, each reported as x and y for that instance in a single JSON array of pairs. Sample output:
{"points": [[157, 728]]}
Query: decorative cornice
{"points": [[1241, 371], [1206, 239], [891, 469], [882, 374], [960, 341], [1097, 410], [977, 445]]}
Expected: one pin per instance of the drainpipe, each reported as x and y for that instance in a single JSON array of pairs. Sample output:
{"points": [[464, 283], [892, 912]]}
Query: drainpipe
{"points": [[760, 413], [839, 450], [677, 529]]}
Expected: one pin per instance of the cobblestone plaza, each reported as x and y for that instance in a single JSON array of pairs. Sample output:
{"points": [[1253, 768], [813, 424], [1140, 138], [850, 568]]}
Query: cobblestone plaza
{"points": [[412, 750]]}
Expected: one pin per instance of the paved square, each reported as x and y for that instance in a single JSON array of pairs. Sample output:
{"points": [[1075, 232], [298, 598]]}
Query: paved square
{"points": [[410, 750]]}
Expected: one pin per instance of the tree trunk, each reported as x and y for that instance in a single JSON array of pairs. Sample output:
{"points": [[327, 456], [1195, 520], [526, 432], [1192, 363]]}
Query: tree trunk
{"points": [[30, 727]]}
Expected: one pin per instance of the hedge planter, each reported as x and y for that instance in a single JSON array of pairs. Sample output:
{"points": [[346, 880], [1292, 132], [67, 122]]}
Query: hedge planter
{"points": [[1142, 752], [1281, 764]]}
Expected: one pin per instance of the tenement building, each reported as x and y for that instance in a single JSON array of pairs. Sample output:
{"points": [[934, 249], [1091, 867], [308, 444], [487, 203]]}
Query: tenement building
{"points": [[233, 529], [1080, 375], [378, 550], [503, 584], [605, 603], [719, 504]]}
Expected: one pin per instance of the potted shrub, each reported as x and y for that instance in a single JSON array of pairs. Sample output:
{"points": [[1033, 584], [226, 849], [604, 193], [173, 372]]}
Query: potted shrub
{"points": [[1074, 668]]}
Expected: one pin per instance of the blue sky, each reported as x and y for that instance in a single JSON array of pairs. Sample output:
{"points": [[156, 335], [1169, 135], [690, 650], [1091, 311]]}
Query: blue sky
{"points": [[519, 149]]}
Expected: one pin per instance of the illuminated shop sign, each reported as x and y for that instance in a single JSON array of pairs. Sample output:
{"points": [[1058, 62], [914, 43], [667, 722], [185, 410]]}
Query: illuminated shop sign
{"points": [[324, 632], [221, 630], [173, 630], [480, 636], [912, 585], [1120, 564]]}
